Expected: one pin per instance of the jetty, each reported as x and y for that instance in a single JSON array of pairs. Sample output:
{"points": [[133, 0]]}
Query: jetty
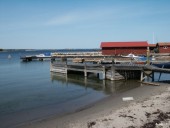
{"points": [[109, 71], [64, 56], [35, 57]]}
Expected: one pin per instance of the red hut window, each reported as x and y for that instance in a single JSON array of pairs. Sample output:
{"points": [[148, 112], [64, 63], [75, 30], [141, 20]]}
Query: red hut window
{"points": [[165, 47]]}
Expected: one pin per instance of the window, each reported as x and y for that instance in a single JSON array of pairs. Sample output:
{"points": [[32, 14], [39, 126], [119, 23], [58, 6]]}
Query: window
{"points": [[165, 47]]}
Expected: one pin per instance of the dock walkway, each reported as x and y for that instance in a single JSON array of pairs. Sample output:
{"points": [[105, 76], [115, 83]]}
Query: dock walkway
{"points": [[109, 71]]}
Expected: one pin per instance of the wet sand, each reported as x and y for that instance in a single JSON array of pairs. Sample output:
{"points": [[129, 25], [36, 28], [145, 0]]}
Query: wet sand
{"points": [[151, 106]]}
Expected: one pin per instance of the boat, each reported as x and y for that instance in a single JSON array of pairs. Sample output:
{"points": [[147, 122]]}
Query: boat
{"points": [[46, 55], [131, 56], [162, 65], [9, 56]]}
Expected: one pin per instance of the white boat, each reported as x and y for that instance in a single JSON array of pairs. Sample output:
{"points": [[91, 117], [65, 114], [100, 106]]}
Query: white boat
{"points": [[43, 56], [9, 56], [131, 56], [40, 55]]}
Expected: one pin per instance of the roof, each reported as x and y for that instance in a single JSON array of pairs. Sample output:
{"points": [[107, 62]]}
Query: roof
{"points": [[152, 45], [124, 44], [164, 43]]}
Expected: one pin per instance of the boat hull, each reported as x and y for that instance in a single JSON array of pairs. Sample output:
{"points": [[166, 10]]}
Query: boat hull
{"points": [[163, 65]]}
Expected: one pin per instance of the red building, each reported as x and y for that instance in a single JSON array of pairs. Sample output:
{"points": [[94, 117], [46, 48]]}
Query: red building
{"points": [[163, 47], [152, 48], [124, 48]]}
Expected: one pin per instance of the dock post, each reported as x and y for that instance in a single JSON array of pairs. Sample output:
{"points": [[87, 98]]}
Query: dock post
{"points": [[85, 82], [51, 67], [112, 72], [125, 75], [153, 77], [104, 73], [65, 67], [160, 73], [85, 70], [141, 76], [104, 85]]}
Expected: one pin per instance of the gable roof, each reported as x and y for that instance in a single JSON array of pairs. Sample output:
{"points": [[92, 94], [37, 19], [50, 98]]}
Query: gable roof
{"points": [[124, 44], [164, 43], [152, 45]]}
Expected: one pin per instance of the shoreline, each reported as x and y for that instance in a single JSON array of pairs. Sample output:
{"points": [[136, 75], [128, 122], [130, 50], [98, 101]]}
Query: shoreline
{"points": [[103, 112]]}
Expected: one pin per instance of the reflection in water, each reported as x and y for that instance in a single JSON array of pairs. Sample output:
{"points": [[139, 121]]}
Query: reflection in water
{"points": [[106, 86]]}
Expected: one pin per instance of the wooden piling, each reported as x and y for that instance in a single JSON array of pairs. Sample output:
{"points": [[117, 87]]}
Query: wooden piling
{"points": [[153, 76], [85, 70], [104, 73], [141, 76], [112, 73]]}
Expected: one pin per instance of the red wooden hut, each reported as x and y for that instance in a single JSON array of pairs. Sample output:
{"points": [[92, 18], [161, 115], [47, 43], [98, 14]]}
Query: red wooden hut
{"points": [[163, 47], [124, 48], [152, 48]]}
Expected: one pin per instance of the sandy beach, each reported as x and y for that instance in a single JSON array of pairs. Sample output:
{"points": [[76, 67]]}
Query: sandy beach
{"points": [[147, 107]]}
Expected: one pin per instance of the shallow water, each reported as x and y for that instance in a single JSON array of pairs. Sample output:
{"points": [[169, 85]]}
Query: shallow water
{"points": [[29, 91]]}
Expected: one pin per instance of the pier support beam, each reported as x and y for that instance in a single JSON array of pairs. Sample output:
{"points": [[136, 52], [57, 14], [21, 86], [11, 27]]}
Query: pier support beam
{"points": [[112, 73], [104, 73], [85, 70], [65, 67], [153, 77], [125, 75], [141, 76]]}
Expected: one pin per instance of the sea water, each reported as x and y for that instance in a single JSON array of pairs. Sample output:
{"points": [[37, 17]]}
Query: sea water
{"points": [[29, 91]]}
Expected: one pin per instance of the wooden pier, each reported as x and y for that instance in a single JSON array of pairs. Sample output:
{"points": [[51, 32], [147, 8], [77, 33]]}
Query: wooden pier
{"points": [[40, 58], [109, 71], [104, 71], [149, 71], [64, 56]]}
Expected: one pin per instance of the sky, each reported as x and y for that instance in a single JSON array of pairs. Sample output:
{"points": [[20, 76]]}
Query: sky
{"points": [[60, 24]]}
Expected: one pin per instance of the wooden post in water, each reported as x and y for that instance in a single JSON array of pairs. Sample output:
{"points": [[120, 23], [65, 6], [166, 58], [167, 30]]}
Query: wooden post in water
{"points": [[85, 70], [65, 67], [160, 73], [104, 85], [141, 76], [104, 73], [112, 72], [85, 82], [153, 77], [125, 75]]}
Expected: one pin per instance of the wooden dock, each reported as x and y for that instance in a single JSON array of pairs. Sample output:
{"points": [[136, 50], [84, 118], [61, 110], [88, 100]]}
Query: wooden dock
{"points": [[109, 71], [104, 71], [40, 58]]}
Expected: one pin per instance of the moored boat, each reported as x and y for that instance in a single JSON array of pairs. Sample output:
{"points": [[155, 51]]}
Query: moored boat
{"points": [[162, 65]]}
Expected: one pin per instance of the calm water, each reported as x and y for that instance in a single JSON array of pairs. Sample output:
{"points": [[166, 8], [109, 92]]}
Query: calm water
{"points": [[29, 91]]}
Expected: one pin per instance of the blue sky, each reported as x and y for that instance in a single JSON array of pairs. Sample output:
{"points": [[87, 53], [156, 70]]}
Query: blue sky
{"points": [[58, 24]]}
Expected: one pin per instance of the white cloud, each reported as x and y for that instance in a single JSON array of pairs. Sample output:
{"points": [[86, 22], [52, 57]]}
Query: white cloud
{"points": [[78, 16], [99, 14], [60, 20]]}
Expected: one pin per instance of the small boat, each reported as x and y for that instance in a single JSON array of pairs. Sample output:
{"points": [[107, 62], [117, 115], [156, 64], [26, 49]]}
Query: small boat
{"points": [[162, 65], [40, 55], [46, 55], [131, 56], [9, 56]]}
